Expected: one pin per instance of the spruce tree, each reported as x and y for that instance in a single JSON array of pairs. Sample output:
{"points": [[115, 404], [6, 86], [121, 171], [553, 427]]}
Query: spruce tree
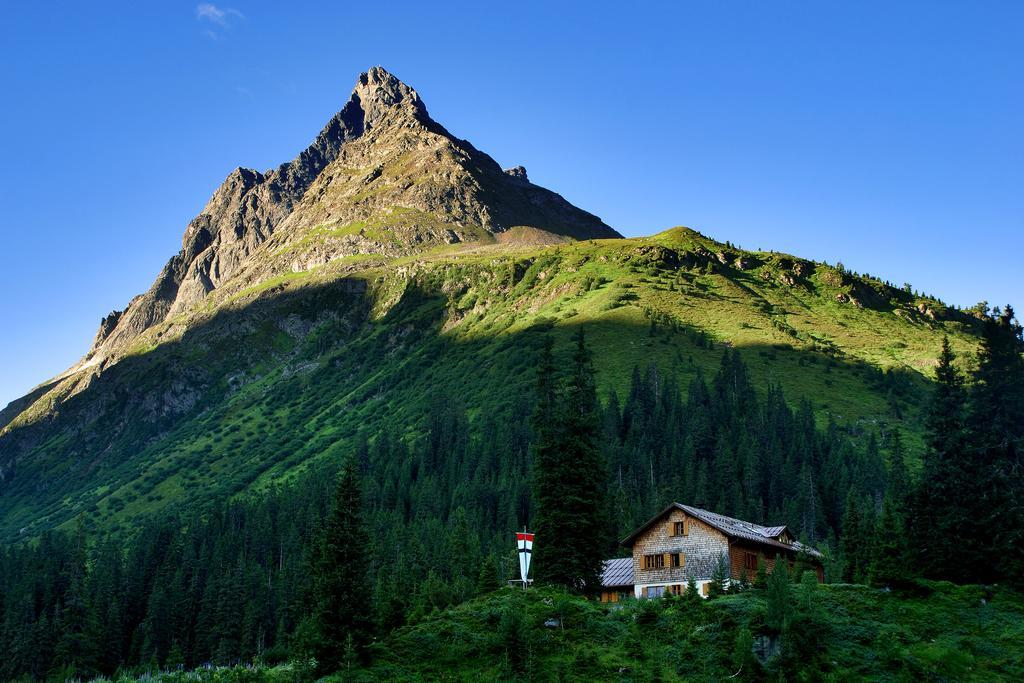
{"points": [[937, 526], [851, 539], [888, 563], [899, 479], [866, 538], [76, 648], [341, 578], [761, 578], [945, 419], [691, 596], [583, 453], [487, 578], [889, 552], [743, 659], [779, 607], [997, 398], [570, 476], [719, 578], [996, 432], [175, 658], [548, 471]]}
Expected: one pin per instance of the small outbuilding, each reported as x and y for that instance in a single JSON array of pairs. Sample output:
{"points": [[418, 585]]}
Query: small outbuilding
{"points": [[617, 579]]}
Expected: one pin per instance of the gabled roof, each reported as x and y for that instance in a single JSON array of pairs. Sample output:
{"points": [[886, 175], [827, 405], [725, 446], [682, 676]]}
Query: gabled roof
{"points": [[617, 572], [774, 536], [773, 531]]}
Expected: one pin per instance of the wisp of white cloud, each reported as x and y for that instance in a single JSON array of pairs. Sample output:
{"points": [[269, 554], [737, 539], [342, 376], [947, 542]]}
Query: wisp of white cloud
{"points": [[221, 16]]}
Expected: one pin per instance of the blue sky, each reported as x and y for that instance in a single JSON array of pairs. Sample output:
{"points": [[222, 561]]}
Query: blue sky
{"points": [[884, 135]]}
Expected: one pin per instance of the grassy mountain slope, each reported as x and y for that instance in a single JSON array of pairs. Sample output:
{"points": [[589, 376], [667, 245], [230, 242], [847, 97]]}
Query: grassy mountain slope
{"points": [[262, 379], [839, 632], [943, 633]]}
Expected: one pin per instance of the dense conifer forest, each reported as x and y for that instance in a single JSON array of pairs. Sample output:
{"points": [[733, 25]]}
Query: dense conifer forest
{"points": [[414, 523]]}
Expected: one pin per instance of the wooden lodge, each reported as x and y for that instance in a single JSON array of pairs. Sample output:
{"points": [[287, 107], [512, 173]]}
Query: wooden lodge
{"points": [[682, 542]]}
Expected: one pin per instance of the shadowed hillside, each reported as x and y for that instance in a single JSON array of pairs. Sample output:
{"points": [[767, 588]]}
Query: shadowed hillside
{"points": [[261, 381]]}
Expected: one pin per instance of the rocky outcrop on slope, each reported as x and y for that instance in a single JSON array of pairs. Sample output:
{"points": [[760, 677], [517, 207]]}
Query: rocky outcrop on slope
{"points": [[518, 172]]}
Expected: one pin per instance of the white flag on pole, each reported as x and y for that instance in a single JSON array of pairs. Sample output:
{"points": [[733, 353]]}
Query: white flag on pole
{"points": [[525, 543]]}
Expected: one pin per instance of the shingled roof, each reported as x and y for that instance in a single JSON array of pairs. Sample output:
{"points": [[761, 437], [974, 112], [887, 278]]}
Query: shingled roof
{"points": [[617, 572], [774, 536]]}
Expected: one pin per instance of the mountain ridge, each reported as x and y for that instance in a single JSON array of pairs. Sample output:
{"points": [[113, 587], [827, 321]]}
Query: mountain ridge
{"points": [[250, 206]]}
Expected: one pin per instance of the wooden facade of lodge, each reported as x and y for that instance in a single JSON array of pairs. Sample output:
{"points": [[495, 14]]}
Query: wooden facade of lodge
{"points": [[682, 542]]}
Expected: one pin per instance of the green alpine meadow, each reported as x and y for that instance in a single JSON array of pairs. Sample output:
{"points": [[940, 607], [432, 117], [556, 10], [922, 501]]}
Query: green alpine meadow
{"points": [[307, 451]]}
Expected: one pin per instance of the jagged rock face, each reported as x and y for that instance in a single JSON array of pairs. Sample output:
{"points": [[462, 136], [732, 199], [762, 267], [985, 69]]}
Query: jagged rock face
{"points": [[518, 172], [381, 177]]}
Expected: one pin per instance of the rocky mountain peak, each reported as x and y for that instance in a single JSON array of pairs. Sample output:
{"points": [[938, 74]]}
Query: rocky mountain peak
{"points": [[383, 97], [381, 178]]}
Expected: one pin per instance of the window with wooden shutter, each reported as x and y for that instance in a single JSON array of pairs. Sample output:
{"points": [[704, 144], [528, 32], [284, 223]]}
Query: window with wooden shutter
{"points": [[704, 589], [679, 528], [750, 561], [666, 560], [655, 561], [672, 529], [678, 560]]}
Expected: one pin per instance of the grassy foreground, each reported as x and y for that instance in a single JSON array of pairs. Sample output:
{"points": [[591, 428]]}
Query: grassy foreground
{"points": [[934, 632]]}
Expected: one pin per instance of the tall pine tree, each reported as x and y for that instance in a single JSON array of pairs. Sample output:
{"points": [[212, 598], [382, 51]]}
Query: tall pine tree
{"points": [[889, 552], [940, 508], [570, 476], [548, 466], [996, 431], [341, 575]]}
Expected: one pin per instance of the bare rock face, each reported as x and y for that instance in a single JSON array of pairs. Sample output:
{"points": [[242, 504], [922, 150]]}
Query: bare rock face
{"points": [[381, 177], [382, 97], [725, 257], [107, 325], [518, 172]]}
